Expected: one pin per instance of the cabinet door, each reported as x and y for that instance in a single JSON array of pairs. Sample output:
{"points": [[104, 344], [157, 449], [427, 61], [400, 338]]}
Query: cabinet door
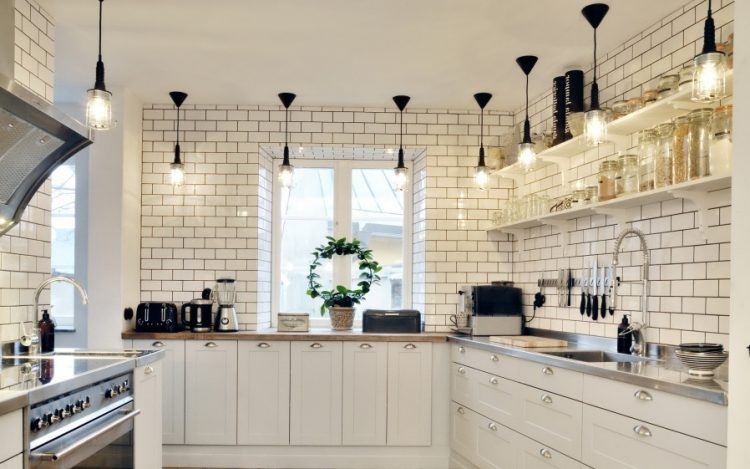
{"points": [[315, 404], [533, 455], [496, 445], [614, 441], [409, 394], [211, 392], [550, 419], [12, 430], [463, 432], [494, 397], [172, 387], [15, 463], [365, 390], [263, 393], [147, 388]]}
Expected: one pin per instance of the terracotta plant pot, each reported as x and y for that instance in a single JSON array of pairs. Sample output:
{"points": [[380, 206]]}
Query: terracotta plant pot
{"points": [[342, 319]]}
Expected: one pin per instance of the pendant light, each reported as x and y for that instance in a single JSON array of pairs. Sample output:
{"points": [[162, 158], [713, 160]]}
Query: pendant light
{"points": [[402, 176], [710, 66], [99, 100], [481, 175], [526, 153], [286, 170], [595, 119], [177, 168]]}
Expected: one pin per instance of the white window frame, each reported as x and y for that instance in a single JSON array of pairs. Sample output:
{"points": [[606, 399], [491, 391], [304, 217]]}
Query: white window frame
{"points": [[342, 226]]}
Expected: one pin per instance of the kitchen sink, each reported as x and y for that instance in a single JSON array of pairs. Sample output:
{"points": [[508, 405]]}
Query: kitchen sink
{"points": [[597, 356], [87, 354]]}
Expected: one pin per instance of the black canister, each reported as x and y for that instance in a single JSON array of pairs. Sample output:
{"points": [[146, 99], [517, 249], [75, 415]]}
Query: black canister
{"points": [[559, 121], [573, 94]]}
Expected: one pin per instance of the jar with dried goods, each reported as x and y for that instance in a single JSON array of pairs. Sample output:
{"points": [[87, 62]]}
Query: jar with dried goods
{"points": [[607, 180], [721, 142], [628, 174], [700, 141], [647, 146], [664, 157], [681, 149]]}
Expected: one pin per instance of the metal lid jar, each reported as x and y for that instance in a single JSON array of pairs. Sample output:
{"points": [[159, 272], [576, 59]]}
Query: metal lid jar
{"points": [[608, 170], [700, 141], [681, 149], [647, 146], [664, 157], [628, 174]]}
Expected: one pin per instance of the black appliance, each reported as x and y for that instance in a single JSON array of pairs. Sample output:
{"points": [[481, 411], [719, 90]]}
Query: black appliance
{"points": [[197, 314], [157, 317], [496, 300], [396, 321]]}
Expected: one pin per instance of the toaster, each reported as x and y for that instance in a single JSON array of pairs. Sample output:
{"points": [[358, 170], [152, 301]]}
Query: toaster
{"points": [[396, 321], [157, 317]]}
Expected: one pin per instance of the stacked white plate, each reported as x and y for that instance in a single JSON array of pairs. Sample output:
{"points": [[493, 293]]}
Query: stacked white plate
{"points": [[701, 359]]}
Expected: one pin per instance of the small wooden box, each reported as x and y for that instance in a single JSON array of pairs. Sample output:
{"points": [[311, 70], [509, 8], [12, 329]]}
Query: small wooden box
{"points": [[294, 322]]}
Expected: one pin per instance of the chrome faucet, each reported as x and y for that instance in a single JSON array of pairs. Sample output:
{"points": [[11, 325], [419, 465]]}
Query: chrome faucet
{"points": [[58, 278], [637, 328]]}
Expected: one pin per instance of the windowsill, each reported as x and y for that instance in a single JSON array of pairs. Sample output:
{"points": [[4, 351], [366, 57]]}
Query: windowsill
{"points": [[65, 329]]}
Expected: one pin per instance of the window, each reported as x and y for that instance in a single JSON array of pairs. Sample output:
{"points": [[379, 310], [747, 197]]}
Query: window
{"points": [[62, 296], [352, 199]]}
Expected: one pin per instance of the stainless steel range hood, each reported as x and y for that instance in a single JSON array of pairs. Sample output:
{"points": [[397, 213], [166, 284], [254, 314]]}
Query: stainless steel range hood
{"points": [[35, 138]]}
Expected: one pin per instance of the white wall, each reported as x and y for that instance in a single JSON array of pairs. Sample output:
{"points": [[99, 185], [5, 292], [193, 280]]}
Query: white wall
{"points": [[739, 324], [114, 213]]}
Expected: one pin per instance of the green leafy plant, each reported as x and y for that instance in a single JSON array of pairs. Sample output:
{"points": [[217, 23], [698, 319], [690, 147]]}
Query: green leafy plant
{"points": [[341, 295]]}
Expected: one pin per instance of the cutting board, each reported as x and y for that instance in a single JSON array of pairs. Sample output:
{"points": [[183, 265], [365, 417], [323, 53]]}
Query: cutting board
{"points": [[528, 341]]}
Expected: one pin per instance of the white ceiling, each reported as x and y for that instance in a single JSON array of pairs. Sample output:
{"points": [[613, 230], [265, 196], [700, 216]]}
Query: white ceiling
{"points": [[334, 52]]}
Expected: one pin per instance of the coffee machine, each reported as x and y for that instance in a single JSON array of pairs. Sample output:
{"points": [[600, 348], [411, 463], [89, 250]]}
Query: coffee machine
{"points": [[226, 315], [495, 309]]}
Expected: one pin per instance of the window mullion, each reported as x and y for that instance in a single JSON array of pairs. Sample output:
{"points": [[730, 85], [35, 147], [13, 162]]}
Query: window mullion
{"points": [[342, 218]]}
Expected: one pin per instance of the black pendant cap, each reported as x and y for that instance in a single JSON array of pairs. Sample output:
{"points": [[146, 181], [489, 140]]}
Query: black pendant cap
{"points": [[595, 13], [527, 62], [482, 99], [287, 99], [401, 101], [178, 97]]}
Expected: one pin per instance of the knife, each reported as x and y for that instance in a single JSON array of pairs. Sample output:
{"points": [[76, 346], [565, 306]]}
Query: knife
{"points": [[604, 293], [570, 284], [584, 282], [590, 284], [595, 299]]}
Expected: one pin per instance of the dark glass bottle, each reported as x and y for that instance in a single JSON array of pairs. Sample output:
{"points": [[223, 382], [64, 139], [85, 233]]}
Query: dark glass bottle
{"points": [[47, 332], [624, 339]]}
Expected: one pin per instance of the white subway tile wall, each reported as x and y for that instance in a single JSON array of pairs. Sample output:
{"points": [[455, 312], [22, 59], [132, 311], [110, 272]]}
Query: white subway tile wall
{"points": [[689, 297], [219, 222], [25, 249]]}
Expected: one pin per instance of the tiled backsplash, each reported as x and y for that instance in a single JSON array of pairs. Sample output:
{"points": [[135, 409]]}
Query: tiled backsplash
{"points": [[689, 294], [25, 250]]}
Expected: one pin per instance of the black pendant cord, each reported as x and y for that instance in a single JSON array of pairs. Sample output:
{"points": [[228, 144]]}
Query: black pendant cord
{"points": [[99, 83], [101, 2], [401, 140], [709, 33], [286, 138], [481, 139], [177, 159], [594, 84], [526, 123]]}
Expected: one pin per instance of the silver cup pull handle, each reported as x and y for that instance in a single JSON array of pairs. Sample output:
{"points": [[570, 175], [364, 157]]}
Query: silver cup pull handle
{"points": [[547, 371], [158, 344], [494, 358], [316, 345], [492, 426], [643, 395], [547, 399], [547, 454], [365, 346], [263, 345], [211, 345], [410, 346], [494, 380], [642, 430], [462, 370]]}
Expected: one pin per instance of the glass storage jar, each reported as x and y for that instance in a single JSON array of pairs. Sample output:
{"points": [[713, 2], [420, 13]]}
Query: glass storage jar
{"points": [[664, 155], [681, 149], [628, 178], [646, 152], [668, 85], [686, 78], [607, 180], [592, 193], [720, 156], [578, 198], [700, 141]]}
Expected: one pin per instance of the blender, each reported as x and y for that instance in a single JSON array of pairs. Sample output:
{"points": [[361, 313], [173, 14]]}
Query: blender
{"points": [[226, 316]]}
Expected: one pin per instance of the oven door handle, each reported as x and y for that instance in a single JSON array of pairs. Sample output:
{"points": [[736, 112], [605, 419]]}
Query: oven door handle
{"points": [[69, 450]]}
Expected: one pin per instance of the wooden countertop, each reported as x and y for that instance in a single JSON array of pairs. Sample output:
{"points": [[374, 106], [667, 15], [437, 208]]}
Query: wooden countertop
{"points": [[273, 334]]}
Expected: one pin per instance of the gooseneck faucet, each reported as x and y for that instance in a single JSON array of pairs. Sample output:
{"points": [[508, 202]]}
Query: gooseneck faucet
{"points": [[637, 328], [58, 278]]}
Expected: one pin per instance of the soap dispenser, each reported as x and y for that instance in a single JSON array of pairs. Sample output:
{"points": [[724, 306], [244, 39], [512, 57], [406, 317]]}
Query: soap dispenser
{"points": [[47, 332], [624, 336]]}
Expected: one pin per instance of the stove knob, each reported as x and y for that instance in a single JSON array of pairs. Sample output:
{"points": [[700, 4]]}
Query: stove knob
{"points": [[78, 407], [87, 403], [53, 418], [123, 387], [38, 424], [67, 412]]}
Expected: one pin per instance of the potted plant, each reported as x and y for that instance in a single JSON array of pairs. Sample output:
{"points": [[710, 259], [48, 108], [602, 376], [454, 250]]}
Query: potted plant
{"points": [[340, 301]]}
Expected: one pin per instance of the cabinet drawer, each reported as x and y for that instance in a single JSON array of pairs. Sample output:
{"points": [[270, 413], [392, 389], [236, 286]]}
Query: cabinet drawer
{"points": [[691, 416], [462, 390], [534, 455], [494, 397], [550, 378], [490, 362], [11, 427], [13, 463], [614, 441], [463, 432], [551, 419], [495, 446]]}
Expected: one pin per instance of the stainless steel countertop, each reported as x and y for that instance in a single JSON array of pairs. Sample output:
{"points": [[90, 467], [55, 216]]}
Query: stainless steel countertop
{"points": [[663, 375]]}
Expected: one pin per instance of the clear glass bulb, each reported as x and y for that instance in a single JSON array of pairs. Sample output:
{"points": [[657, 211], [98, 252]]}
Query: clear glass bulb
{"points": [[526, 154], [481, 177], [709, 77], [286, 175], [595, 127], [99, 109], [401, 179], [177, 174]]}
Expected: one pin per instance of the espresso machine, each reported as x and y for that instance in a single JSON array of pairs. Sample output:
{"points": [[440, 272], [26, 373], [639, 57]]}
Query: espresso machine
{"points": [[226, 315]]}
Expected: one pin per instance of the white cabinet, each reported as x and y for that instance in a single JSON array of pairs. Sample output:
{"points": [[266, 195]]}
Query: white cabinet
{"points": [[409, 394], [15, 463], [496, 445], [532, 455], [173, 387], [263, 393], [12, 430], [315, 403], [365, 381], [211, 392], [613, 441], [463, 431], [147, 389]]}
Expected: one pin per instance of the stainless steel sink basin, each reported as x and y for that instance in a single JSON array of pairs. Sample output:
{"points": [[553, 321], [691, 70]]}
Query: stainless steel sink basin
{"points": [[87, 354], [597, 356]]}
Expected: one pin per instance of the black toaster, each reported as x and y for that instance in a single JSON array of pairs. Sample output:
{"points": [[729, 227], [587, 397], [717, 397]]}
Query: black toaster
{"points": [[402, 321], [157, 317]]}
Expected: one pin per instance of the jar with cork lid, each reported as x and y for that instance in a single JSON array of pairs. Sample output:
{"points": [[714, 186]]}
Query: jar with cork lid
{"points": [[647, 146], [628, 174], [721, 142], [608, 170], [700, 141], [664, 158]]}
